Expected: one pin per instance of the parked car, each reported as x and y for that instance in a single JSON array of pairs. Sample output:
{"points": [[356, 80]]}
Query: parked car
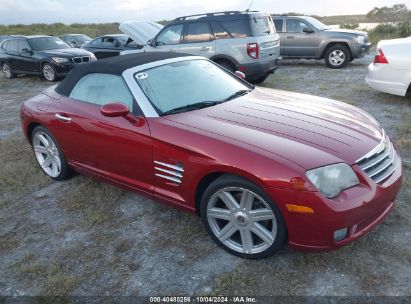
{"points": [[244, 41], [110, 45], [391, 70], [261, 167], [75, 40], [40, 55], [306, 37]]}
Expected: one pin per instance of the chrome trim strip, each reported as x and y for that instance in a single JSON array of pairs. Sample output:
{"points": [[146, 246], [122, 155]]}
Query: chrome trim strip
{"points": [[169, 172], [385, 176], [141, 99], [379, 159], [391, 159], [174, 179], [177, 168], [377, 149]]}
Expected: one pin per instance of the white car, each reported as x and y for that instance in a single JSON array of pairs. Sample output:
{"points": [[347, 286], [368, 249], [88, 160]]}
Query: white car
{"points": [[391, 70]]}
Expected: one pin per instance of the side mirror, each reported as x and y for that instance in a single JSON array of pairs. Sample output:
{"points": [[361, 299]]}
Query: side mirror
{"points": [[239, 74], [308, 30], [117, 44], [114, 109], [152, 43]]}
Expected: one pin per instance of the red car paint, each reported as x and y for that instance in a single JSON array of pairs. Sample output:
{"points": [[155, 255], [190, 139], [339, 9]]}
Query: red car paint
{"points": [[269, 137]]}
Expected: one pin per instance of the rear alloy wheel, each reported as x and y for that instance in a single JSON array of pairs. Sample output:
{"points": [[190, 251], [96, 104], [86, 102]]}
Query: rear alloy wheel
{"points": [[337, 57], [242, 219], [7, 71], [48, 72], [48, 154]]}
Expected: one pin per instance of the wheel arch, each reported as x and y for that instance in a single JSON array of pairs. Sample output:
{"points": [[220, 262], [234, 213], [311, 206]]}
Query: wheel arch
{"points": [[331, 44], [30, 129], [223, 57], [211, 176]]}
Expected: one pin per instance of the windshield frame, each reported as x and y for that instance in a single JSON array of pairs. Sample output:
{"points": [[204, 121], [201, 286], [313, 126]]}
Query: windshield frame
{"points": [[315, 23], [142, 100], [65, 45]]}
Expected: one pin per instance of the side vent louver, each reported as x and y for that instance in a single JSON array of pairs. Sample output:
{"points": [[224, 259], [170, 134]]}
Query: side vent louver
{"points": [[169, 172]]}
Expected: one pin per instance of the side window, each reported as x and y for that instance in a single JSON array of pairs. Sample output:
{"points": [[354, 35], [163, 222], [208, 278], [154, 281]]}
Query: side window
{"points": [[237, 28], [278, 25], [170, 35], [295, 26], [108, 42], [13, 46], [197, 32], [23, 44], [96, 41], [219, 31], [101, 89]]}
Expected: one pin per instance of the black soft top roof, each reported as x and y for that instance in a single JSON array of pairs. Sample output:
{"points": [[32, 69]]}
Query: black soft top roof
{"points": [[113, 65]]}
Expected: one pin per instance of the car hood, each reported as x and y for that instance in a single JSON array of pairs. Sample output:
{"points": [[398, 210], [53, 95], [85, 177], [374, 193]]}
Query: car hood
{"points": [[354, 32], [70, 52], [140, 31], [306, 130]]}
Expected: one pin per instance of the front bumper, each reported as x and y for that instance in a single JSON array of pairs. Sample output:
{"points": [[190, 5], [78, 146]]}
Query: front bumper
{"points": [[358, 209], [360, 49], [62, 69]]}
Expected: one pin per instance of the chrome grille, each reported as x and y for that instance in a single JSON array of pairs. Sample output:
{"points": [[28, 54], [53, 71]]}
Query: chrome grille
{"points": [[81, 59], [380, 162], [169, 172]]}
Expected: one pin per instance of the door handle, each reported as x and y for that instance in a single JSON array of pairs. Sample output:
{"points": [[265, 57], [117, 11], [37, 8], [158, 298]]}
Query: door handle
{"points": [[172, 50], [204, 48], [291, 37], [63, 118]]}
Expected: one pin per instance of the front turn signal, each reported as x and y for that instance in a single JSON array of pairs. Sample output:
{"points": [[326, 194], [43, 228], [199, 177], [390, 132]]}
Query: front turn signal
{"points": [[299, 209]]}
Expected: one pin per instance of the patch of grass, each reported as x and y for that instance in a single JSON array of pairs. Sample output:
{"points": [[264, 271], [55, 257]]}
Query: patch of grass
{"points": [[96, 201], [19, 172], [237, 282], [124, 246]]}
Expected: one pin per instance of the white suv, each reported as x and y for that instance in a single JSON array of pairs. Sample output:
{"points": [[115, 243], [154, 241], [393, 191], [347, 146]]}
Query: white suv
{"points": [[244, 41]]}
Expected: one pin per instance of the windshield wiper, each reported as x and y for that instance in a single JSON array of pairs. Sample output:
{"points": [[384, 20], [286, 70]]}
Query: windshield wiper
{"points": [[193, 106], [237, 94]]}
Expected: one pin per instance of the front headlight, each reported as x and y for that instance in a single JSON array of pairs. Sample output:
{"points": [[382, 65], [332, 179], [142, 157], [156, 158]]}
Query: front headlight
{"points": [[360, 39], [331, 180], [60, 59]]}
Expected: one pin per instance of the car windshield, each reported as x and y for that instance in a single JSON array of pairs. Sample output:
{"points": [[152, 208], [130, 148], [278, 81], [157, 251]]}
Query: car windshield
{"points": [[122, 39], [188, 85], [317, 24], [82, 38], [48, 43], [262, 25]]}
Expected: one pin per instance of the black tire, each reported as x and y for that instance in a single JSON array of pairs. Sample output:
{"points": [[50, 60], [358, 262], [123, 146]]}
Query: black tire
{"points": [[65, 171], [227, 65], [7, 70], [233, 182], [337, 56], [49, 72]]}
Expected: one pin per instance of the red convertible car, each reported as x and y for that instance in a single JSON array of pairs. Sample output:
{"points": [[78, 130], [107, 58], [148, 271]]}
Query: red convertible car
{"points": [[261, 167]]}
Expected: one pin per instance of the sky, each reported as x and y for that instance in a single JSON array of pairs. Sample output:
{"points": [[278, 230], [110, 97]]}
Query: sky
{"points": [[89, 11]]}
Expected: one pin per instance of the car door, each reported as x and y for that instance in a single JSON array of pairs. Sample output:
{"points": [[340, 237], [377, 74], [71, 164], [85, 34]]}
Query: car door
{"points": [[198, 39], [301, 40], [27, 59], [118, 148], [168, 40], [12, 50], [279, 27]]}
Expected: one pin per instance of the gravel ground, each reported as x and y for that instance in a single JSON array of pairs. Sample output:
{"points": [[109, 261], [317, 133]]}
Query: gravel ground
{"points": [[83, 237]]}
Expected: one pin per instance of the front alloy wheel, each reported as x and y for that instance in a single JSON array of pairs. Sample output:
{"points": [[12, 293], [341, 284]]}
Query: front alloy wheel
{"points": [[49, 72], [337, 57], [242, 220], [7, 71], [48, 154]]}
